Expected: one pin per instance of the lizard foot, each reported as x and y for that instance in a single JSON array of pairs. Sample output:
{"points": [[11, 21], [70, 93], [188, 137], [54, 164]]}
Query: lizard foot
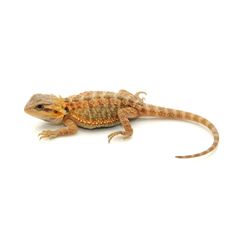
{"points": [[112, 135], [48, 134], [138, 93]]}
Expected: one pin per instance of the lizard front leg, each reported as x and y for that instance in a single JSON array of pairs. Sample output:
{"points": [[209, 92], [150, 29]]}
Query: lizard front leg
{"points": [[124, 114], [71, 128]]}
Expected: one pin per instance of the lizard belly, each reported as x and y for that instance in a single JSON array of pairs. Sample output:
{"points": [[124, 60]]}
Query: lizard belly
{"points": [[96, 117]]}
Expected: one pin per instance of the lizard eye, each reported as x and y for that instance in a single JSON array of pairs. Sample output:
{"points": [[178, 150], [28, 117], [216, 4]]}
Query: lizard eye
{"points": [[39, 107]]}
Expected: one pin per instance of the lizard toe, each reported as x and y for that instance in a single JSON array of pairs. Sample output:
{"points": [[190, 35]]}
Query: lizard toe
{"points": [[112, 135], [123, 133], [141, 98], [47, 134]]}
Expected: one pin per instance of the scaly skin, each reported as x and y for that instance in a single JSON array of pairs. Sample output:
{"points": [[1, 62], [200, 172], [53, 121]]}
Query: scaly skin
{"points": [[105, 109]]}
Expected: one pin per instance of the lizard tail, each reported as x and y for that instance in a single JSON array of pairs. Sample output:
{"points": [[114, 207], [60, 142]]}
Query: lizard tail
{"points": [[168, 113]]}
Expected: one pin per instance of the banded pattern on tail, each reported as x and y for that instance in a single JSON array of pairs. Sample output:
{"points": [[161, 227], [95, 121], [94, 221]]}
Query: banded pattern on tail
{"points": [[168, 113]]}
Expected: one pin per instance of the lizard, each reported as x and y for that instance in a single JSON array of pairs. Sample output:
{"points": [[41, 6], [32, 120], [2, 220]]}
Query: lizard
{"points": [[95, 109]]}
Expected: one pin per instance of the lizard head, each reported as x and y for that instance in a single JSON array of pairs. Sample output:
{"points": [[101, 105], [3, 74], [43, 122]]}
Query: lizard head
{"points": [[46, 107]]}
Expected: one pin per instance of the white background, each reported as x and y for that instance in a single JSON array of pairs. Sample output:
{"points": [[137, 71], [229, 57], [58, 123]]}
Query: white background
{"points": [[182, 53]]}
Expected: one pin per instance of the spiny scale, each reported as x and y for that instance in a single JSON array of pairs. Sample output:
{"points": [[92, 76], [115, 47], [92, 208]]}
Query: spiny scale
{"points": [[96, 109]]}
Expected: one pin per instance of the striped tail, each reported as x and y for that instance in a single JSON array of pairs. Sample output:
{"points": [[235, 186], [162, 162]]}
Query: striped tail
{"points": [[168, 113]]}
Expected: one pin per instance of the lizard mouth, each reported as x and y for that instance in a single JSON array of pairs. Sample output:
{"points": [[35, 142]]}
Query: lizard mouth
{"points": [[48, 110]]}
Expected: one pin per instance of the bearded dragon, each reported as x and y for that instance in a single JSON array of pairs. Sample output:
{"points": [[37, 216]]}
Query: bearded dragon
{"points": [[97, 109]]}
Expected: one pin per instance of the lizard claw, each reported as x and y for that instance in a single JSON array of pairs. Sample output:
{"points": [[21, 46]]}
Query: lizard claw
{"points": [[138, 93], [47, 134]]}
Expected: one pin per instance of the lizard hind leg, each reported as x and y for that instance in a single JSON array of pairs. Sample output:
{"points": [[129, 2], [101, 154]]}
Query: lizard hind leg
{"points": [[124, 114]]}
